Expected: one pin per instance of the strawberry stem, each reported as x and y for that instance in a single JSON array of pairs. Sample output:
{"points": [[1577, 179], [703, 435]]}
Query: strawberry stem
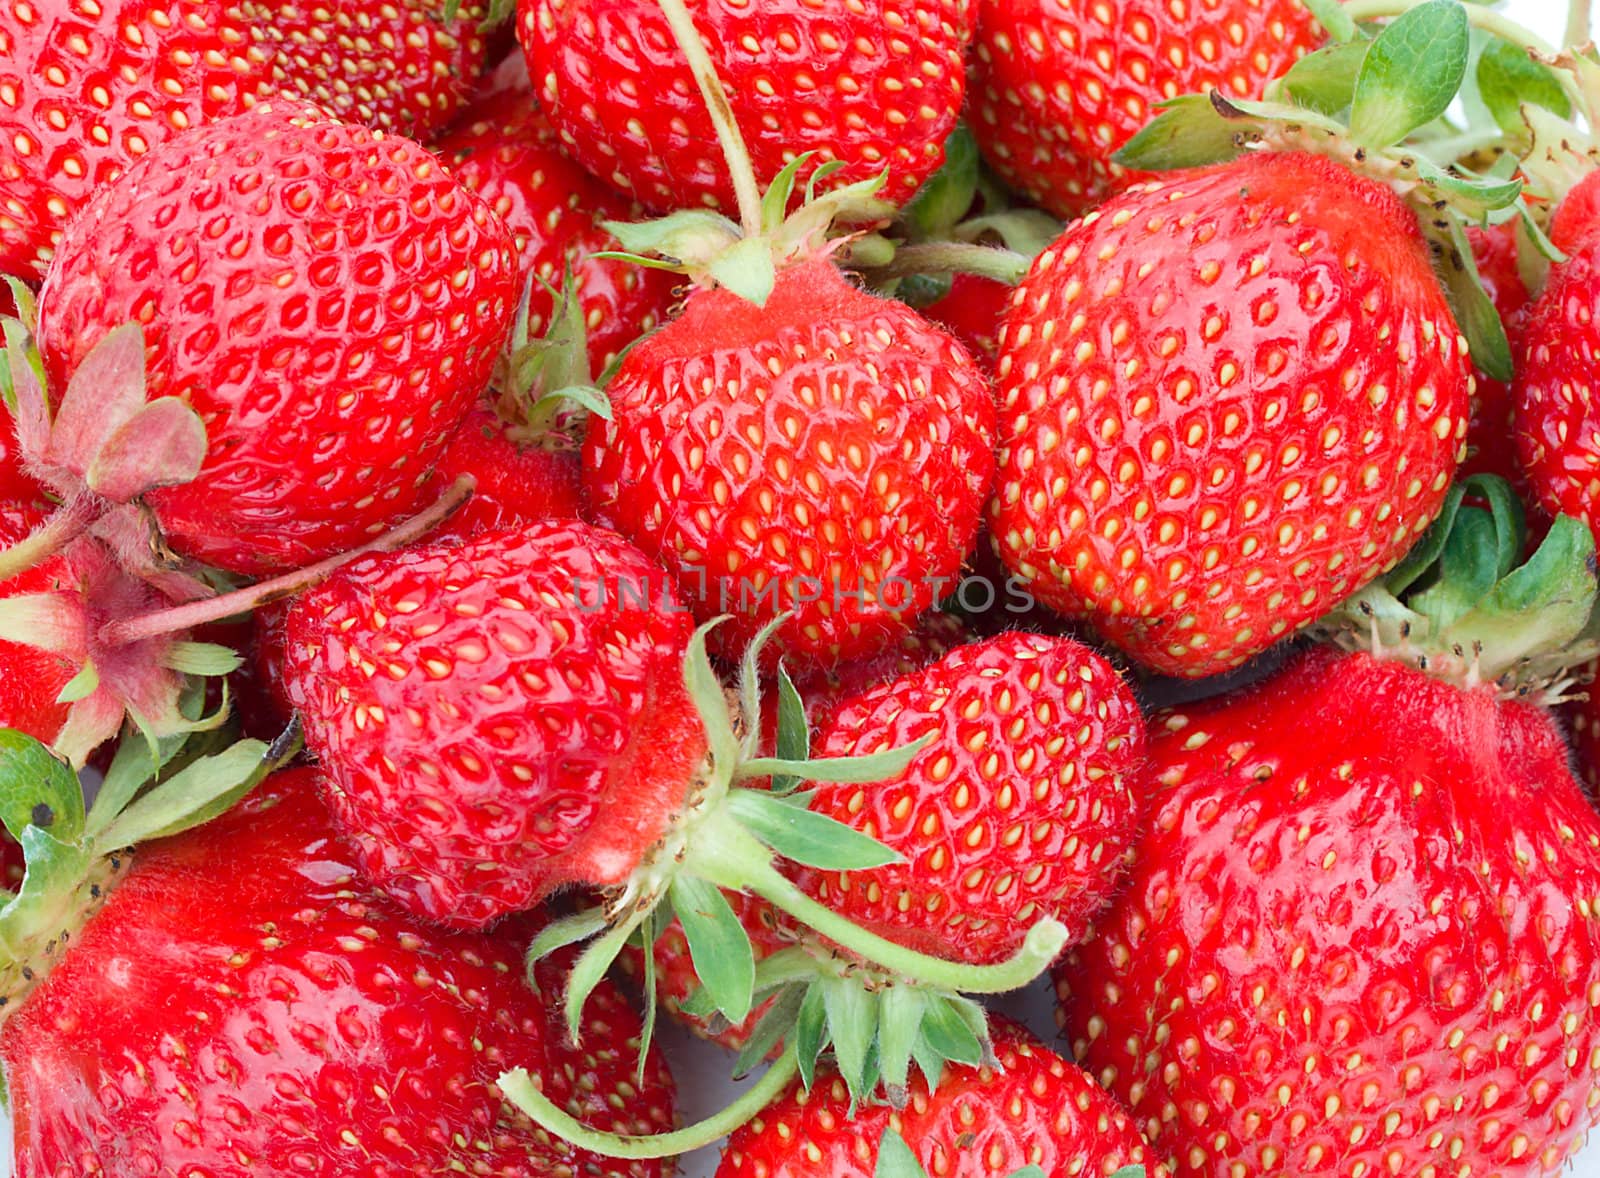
{"points": [[65, 525], [740, 170], [1577, 31], [226, 605], [955, 257], [518, 1087], [726, 854]]}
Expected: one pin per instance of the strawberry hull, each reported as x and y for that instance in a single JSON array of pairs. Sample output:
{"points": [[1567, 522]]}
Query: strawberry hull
{"points": [[1360, 931]]}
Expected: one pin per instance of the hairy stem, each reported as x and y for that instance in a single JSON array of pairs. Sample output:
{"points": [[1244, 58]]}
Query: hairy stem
{"points": [[1578, 29], [956, 257], [740, 170], [519, 1089], [65, 525], [211, 609]]}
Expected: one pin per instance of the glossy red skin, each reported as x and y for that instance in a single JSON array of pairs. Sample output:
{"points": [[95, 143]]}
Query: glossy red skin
{"points": [[505, 151], [516, 484], [1208, 458], [328, 396], [1059, 86], [130, 75], [519, 734], [1553, 395], [242, 1007], [971, 312], [31, 678], [723, 462], [1024, 806], [876, 85], [980, 1123], [399, 67], [1491, 439], [1357, 933]]}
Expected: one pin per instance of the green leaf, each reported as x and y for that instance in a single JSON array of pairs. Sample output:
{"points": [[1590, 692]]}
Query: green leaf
{"points": [[196, 794], [207, 659], [794, 730], [1466, 572], [810, 1034], [1411, 73], [719, 947], [1331, 15], [858, 770], [900, 1013], [569, 930], [37, 789], [1508, 77], [853, 1028], [750, 684], [818, 176], [1474, 310], [1425, 552], [895, 1159], [1473, 197], [1189, 132], [81, 686], [948, 1032], [1027, 1172], [692, 236], [1325, 81], [748, 269], [771, 1028], [56, 869], [775, 201], [1129, 1172], [805, 836], [705, 689], [586, 396], [947, 195], [591, 967]]}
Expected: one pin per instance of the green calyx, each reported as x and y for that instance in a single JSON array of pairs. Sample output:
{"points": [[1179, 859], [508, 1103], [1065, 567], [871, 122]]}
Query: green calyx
{"points": [[544, 386], [746, 814], [1466, 606], [73, 855], [1378, 99]]}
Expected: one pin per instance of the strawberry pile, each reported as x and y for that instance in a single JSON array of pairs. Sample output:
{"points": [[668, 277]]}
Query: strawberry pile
{"points": [[520, 519]]}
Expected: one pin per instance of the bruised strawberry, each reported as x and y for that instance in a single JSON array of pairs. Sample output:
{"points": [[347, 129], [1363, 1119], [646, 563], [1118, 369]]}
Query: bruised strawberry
{"points": [[1230, 398], [873, 86], [506, 153], [826, 454]]}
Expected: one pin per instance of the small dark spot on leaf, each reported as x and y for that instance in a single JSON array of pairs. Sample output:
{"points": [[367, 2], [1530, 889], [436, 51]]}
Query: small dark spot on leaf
{"points": [[43, 816]]}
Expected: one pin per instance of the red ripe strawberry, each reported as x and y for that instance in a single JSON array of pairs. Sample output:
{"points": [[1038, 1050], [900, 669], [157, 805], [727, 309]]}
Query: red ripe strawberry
{"points": [[329, 357], [1229, 399], [507, 155], [1059, 85], [1553, 398], [971, 312], [1023, 806], [876, 85], [1491, 439], [496, 718], [92, 87], [826, 454], [404, 67], [1359, 934], [1035, 1109], [241, 1006], [31, 678], [516, 484]]}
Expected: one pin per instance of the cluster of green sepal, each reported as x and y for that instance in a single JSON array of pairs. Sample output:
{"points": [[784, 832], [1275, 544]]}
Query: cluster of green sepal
{"points": [[544, 384], [152, 789], [895, 1160], [1468, 604], [1376, 97], [879, 1010]]}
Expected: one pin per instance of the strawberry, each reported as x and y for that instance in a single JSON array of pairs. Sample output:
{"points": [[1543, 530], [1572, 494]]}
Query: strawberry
{"points": [[1229, 397], [826, 454], [971, 311], [241, 1006], [1359, 933], [1029, 1108], [508, 156], [1059, 85], [1024, 803], [875, 86], [516, 483], [320, 396], [1491, 438], [1552, 395], [571, 742], [405, 68], [92, 87]]}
